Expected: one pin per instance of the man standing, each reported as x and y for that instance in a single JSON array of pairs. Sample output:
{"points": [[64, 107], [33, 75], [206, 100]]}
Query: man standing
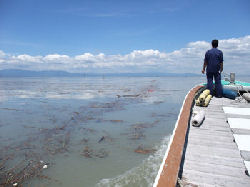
{"points": [[213, 63]]}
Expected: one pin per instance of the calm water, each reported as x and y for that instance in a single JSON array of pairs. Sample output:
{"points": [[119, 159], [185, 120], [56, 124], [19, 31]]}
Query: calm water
{"points": [[86, 130]]}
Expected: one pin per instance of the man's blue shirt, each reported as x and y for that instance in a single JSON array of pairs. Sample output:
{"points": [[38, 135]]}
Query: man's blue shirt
{"points": [[213, 57]]}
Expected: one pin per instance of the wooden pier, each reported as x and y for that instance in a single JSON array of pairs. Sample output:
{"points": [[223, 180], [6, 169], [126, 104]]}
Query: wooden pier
{"points": [[211, 157]]}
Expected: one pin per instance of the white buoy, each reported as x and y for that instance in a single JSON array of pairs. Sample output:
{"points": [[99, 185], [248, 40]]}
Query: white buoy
{"points": [[246, 96], [195, 112], [198, 119]]}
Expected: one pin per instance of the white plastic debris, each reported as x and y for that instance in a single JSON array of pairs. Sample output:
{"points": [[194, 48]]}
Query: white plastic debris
{"points": [[15, 184], [198, 119], [41, 161], [45, 166], [246, 96], [195, 112]]}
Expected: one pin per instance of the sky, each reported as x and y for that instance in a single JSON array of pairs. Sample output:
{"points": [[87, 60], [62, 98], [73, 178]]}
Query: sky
{"points": [[167, 36]]}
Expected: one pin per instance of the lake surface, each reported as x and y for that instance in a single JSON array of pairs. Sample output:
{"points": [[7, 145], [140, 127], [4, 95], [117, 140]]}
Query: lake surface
{"points": [[96, 131]]}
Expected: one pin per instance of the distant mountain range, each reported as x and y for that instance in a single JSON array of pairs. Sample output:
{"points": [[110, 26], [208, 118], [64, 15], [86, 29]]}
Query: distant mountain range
{"points": [[28, 73]]}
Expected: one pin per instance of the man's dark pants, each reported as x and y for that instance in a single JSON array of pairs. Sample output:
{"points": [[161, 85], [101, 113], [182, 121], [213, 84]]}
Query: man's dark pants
{"points": [[218, 86]]}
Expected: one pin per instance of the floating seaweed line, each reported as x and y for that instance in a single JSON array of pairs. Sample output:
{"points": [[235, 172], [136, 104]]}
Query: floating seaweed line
{"points": [[10, 109], [137, 130], [23, 171], [142, 150], [129, 96], [90, 153], [105, 138]]}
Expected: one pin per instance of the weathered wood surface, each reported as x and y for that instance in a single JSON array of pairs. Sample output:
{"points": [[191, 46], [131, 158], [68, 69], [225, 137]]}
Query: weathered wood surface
{"points": [[168, 173], [211, 157]]}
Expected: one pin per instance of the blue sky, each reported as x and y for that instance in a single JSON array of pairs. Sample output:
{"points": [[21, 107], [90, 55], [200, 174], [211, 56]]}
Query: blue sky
{"points": [[116, 27]]}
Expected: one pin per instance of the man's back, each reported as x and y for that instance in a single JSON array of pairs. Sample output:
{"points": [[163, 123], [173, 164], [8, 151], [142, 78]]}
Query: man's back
{"points": [[214, 58], [213, 63]]}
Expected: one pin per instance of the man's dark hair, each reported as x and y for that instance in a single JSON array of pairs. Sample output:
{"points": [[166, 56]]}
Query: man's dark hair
{"points": [[215, 43]]}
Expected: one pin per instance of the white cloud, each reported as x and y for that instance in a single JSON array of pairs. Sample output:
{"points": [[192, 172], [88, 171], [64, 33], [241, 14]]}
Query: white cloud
{"points": [[147, 53], [85, 57], [2, 54], [28, 58], [55, 57], [188, 59]]}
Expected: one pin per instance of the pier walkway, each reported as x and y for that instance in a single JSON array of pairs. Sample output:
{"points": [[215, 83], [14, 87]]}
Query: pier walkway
{"points": [[212, 155]]}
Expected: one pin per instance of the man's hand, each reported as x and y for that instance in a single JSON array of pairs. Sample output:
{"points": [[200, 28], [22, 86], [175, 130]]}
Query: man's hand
{"points": [[204, 67], [221, 67]]}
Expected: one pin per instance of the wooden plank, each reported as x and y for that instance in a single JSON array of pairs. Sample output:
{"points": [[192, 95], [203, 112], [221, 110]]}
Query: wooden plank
{"points": [[213, 143], [245, 155], [237, 116], [215, 128], [214, 150], [210, 136], [240, 131], [211, 129], [204, 158], [219, 169], [206, 179], [211, 121]]}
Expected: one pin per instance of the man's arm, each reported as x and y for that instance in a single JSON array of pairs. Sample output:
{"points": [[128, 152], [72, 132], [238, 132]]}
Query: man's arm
{"points": [[204, 66], [221, 66]]}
